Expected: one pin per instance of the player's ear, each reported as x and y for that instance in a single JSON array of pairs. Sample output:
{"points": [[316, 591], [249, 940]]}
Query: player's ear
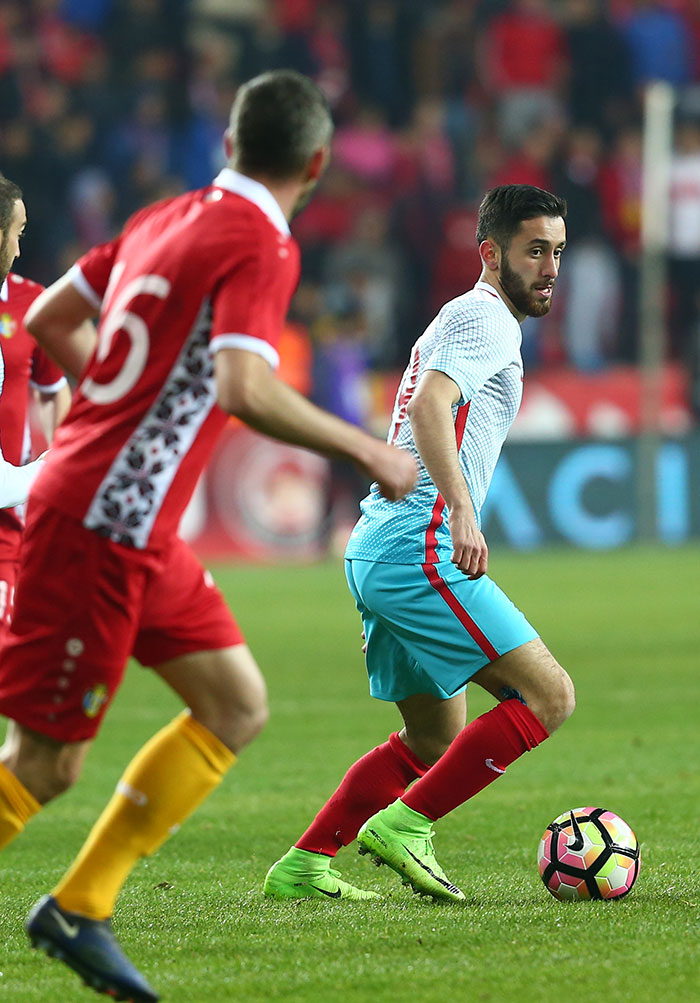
{"points": [[228, 144], [490, 255], [318, 163]]}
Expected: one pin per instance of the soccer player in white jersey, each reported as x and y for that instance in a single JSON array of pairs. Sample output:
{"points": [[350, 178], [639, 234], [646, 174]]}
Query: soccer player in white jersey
{"points": [[433, 619], [191, 298]]}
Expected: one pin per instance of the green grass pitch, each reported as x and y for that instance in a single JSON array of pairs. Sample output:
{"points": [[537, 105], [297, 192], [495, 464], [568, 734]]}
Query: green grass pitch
{"points": [[626, 626]]}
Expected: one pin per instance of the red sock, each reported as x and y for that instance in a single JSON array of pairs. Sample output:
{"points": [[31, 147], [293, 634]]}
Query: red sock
{"points": [[479, 754], [370, 784]]}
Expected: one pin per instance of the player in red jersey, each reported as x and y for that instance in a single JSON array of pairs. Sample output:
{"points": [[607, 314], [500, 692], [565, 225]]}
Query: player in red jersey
{"points": [[23, 365], [191, 300]]}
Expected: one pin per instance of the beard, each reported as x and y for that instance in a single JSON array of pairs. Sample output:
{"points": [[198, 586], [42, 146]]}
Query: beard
{"points": [[520, 295]]}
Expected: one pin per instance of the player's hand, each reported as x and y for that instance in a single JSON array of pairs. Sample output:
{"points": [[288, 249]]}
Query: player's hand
{"points": [[470, 553], [394, 469]]}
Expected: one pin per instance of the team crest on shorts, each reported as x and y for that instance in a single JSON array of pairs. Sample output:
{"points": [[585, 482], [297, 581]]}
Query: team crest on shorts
{"points": [[95, 699]]}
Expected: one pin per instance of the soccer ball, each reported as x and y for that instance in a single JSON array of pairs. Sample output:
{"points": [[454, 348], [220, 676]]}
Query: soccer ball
{"points": [[588, 853]]}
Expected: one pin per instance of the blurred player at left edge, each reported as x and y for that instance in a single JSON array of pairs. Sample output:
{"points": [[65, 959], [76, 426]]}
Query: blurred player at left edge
{"points": [[23, 365]]}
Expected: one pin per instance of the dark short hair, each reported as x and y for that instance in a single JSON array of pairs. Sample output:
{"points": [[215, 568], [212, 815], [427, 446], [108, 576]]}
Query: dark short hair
{"points": [[9, 194], [278, 121], [504, 208]]}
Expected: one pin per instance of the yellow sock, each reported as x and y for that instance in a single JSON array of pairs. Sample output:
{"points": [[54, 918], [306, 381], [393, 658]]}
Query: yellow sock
{"points": [[17, 806], [164, 783]]}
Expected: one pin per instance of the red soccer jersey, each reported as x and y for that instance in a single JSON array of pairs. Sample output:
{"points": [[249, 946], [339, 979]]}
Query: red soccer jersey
{"points": [[21, 363], [208, 269]]}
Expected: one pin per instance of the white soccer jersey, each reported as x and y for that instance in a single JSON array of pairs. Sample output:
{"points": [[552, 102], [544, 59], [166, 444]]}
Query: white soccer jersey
{"points": [[475, 340]]}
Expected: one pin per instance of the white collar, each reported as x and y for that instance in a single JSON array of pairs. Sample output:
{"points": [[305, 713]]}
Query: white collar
{"points": [[254, 191], [488, 288], [5, 292]]}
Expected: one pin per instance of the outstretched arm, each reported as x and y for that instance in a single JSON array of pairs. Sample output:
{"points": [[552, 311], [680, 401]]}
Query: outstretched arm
{"points": [[248, 389]]}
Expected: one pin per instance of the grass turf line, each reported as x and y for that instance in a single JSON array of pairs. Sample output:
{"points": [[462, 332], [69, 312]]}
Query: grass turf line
{"points": [[193, 917]]}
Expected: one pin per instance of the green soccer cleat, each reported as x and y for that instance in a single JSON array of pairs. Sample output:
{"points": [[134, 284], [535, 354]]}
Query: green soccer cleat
{"points": [[403, 839], [300, 874]]}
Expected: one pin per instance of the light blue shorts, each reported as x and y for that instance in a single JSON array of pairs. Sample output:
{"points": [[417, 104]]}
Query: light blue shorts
{"points": [[429, 628]]}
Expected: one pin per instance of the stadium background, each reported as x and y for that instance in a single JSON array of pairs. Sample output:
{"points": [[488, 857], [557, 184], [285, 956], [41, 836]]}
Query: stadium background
{"points": [[108, 104]]}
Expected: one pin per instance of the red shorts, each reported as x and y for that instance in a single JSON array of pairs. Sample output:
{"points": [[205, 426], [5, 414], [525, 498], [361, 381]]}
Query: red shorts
{"points": [[85, 604]]}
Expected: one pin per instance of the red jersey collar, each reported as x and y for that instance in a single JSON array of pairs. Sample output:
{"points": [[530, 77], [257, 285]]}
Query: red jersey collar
{"points": [[254, 191]]}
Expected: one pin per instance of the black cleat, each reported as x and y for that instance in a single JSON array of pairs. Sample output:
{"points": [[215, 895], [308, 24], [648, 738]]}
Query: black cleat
{"points": [[89, 947]]}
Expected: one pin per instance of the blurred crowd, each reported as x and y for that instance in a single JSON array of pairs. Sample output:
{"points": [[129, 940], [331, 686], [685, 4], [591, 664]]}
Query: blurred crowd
{"points": [[108, 104]]}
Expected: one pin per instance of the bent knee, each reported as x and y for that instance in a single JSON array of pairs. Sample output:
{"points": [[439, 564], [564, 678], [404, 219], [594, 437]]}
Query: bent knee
{"points": [[238, 724], [64, 777], [256, 719], [556, 705], [45, 776], [427, 747]]}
